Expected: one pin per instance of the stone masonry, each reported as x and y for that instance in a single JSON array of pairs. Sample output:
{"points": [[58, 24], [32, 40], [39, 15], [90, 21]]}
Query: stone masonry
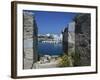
{"points": [[30, 40], [81, 39], [65, 40], [69, 38]]}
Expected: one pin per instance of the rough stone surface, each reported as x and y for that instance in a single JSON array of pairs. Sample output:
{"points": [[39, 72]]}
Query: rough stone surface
{"points": [[77, 37], [82, 38], [69, 37], [65, 40], [30, 39]]}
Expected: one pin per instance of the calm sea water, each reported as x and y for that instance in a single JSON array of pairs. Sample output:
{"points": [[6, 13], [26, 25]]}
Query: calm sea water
{"points": [[49, 48], [45, 48]]}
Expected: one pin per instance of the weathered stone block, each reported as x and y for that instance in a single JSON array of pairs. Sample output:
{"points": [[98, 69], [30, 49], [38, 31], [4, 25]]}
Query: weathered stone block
{"points": [[30, 39]]}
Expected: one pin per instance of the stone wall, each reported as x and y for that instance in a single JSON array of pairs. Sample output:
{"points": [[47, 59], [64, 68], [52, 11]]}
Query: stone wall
{"points": [[65, 40], [30, 39], [83, 38], [69, 38], [77, 38]]}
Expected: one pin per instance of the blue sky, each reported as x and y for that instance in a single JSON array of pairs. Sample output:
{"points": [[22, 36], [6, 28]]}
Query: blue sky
{"points": [[52, 22]]}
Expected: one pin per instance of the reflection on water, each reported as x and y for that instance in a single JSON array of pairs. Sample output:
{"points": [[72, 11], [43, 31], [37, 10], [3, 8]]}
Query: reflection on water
{"points": [[49, 48], [45, 48]]}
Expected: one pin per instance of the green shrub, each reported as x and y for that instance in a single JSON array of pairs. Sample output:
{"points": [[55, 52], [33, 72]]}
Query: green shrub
{"points": [[64, 61], [76, 57]]}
